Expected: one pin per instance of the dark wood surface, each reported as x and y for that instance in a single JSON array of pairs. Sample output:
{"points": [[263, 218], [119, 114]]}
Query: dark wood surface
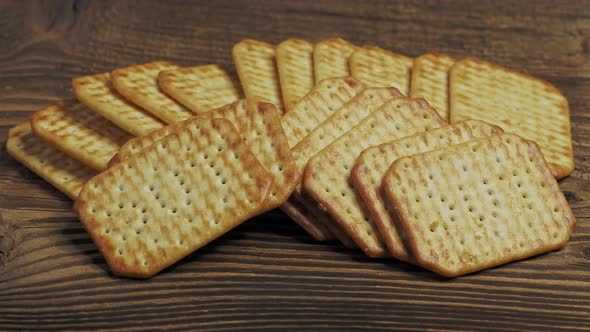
{"points": [[267, 274]]}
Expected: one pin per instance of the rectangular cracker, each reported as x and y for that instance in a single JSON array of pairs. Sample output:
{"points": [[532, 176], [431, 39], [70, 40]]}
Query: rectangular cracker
{"points": [[478, 204], [139, 84], [373, 163], [377, 67], [327, 175], [295, 65], [64, 173], [330, 58], [255, 63], [516, 102], [259, 124], [323, 100], [342, 120], [430, 80], [149, 211], [97, 92], [200, 88], [79, 132]]}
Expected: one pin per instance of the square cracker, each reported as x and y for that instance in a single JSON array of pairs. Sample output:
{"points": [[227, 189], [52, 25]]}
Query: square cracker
{"points": [[373, 163], [295, 64], [478, 204], [139, 84], [200, 88], [255, 63], [430, 80], [327, 175], [174, 197], [97, 92], [322, 101], [55, 167], [259, 125], [377, 67], [79, 132], [518, 103], [330, 58]]}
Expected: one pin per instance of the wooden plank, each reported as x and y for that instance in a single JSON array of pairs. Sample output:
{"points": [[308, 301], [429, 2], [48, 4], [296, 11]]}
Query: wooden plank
{"points": [[268, 274]]}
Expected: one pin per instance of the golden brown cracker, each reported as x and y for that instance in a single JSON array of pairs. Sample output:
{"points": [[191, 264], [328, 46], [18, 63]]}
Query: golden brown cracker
{"points": [[516, 102], [430, 80], [478, 204], [174, 197], [377, 67], [295, 65], [330, 58]]}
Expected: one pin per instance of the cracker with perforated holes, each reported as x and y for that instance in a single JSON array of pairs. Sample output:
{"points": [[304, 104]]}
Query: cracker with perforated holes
{"points": [[295, 65], [516, 102], [377, 67], [322, 101], [259, 124], [330, 58], [174, 197], [430, 80], [342, 120], [200, 88], [97, 92], [64, 173], [373, 163], [255, 63], [327, 175], [79, 132], [478, 204], [302, 216], [139, 84]]}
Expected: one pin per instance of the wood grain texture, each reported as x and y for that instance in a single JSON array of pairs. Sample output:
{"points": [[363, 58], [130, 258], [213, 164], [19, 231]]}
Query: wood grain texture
{"points": [[268, 274]]}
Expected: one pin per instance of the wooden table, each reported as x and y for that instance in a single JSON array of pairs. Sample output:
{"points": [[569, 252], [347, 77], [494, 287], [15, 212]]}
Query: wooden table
{"points": [[268, 274]]}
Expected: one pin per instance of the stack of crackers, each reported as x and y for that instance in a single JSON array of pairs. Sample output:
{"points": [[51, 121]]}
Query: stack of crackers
{"points": [[448, 164]]}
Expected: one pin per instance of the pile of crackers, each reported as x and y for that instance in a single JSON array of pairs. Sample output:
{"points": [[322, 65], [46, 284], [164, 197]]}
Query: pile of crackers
{"points": [[449, 164]]}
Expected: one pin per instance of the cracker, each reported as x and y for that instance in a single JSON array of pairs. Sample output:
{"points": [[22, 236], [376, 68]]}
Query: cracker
{"points": [[64, 173], [373, 163], [342, 120], [303, 217], [327, 175], [478, 204], [139, 84], [430, 80], [377, 67], [295, 66], [174, 197], [259, 125], [97, 92], [516, 102], [322, 101], [200, 88], [330, 58], [255, 63], [79, 132]]}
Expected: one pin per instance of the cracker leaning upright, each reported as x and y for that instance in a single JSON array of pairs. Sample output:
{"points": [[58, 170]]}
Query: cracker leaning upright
{"points": [[373, 163], [327, 175], [295, 65], [139, 84], [61, 171], [79, 132], [478, 204], [200, 88], [174, 197], [97, 92], [430, 80], [330, 58], [255, 63], [516, 102], [377, 67]]}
